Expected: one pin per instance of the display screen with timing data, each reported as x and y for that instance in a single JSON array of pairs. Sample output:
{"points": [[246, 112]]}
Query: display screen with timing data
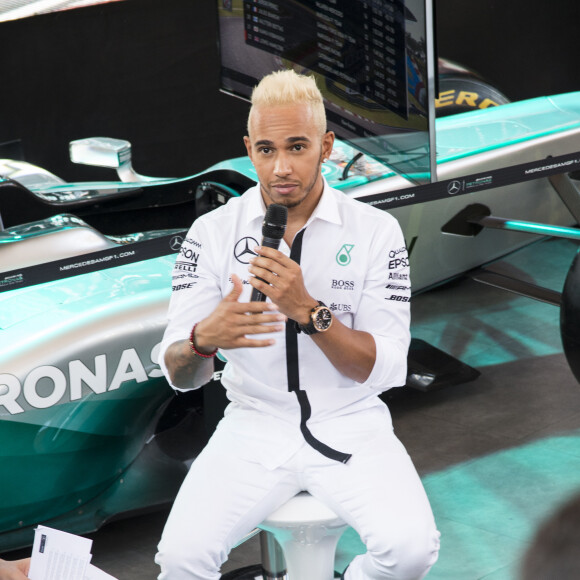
{"points": [[373, 61]]}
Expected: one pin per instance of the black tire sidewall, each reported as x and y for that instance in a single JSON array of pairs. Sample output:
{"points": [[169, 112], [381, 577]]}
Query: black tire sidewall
{"points": [[459, 94]]}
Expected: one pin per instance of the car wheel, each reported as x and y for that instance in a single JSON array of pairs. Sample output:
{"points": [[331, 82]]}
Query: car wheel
{"points": [[462, 89]]}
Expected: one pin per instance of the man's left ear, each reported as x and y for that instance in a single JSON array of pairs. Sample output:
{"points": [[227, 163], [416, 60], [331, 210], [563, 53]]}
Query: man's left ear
{"points": [[327, 144]]}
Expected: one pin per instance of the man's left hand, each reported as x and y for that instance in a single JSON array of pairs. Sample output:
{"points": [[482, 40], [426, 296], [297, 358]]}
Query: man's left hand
{"points": [[284, 284], [351, 352]]}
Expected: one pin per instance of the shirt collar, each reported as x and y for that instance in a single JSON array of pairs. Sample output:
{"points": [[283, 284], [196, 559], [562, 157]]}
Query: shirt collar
{"points": [[327, 208], [255, 209]]}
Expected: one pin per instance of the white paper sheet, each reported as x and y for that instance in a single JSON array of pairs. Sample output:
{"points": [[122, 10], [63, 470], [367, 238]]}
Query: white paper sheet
{"points": [[58, 555], [93, 573]]}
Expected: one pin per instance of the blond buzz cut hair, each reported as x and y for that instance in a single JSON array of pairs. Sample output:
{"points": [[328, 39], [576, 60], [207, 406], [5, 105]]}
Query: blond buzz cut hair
{"points": [[287, 87]]}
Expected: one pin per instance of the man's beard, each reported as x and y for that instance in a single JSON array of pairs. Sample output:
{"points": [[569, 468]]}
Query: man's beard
{"points": [[295, 203]]}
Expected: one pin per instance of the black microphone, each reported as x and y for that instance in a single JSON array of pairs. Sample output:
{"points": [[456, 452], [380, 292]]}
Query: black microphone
{"points": [[273, 228]]}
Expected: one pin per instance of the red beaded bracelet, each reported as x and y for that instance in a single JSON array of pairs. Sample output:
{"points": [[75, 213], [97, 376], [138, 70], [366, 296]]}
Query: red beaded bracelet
{"points": [[193, 347]]}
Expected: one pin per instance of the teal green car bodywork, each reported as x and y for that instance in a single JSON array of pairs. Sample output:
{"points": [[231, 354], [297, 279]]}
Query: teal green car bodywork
{"points": [[83, 403]]}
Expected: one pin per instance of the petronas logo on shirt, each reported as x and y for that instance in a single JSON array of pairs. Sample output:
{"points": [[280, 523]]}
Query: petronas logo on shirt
{"points": [[343, 256]]}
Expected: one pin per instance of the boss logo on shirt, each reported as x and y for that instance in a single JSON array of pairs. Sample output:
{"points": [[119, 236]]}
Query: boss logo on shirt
{"points": [[342, 285], [243, 251]]}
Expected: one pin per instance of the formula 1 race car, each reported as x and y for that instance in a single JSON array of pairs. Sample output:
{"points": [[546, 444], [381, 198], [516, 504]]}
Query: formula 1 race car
{"points": [[90, 428]]}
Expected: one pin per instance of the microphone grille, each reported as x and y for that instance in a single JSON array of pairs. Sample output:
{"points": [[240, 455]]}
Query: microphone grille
{"points": [[274, 224]]}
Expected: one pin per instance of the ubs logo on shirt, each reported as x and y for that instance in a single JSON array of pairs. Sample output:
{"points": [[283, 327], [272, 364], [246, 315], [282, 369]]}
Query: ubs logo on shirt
{"points": [[340, 307], [243, 251]]}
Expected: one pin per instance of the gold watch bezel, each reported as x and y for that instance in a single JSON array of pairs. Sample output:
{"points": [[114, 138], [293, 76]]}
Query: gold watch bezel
{"points": [[314, 314]]}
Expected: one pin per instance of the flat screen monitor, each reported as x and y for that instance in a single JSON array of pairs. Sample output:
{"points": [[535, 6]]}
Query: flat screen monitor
{"points": [[373, 61]]}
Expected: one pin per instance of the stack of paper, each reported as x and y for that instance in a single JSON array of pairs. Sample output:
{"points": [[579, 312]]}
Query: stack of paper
{"points": [[58, 555]]}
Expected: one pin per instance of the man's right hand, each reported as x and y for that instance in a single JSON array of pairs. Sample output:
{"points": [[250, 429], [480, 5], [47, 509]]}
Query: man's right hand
{"points": [[230, 323], [14, 569], [228, 326]]}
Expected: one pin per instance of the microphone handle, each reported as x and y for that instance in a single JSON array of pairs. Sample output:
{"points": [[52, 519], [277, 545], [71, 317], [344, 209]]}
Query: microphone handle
{"points": [[273, 243]]}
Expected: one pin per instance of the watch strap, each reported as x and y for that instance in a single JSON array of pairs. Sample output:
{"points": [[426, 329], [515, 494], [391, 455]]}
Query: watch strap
{"points": [[309, 328]]}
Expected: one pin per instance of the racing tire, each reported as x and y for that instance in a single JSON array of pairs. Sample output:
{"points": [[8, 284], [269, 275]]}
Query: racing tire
{"points": [[459, 94], [570, 317]]}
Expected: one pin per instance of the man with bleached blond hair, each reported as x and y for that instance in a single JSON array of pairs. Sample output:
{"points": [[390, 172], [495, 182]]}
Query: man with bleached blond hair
{"points": [[305, 367]]}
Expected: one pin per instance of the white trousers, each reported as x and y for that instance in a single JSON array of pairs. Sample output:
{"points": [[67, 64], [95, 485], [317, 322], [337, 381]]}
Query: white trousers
{"points": [[225, 496]]}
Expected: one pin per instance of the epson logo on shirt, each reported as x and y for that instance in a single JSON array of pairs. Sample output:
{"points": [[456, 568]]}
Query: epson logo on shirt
{"points": [[398, 258], [342, 285], [189, 254], [398, 262]]}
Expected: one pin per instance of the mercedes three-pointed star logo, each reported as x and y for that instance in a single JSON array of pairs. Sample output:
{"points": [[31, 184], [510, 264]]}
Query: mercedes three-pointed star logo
{"points": [[454, 187], [242, 251], [175, 243]]}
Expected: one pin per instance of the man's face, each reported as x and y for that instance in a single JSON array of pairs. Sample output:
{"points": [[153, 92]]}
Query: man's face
{"points": [[287, 150]]}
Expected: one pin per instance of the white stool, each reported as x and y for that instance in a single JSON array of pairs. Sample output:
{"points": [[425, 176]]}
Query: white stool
{"points": [[308, 533]]}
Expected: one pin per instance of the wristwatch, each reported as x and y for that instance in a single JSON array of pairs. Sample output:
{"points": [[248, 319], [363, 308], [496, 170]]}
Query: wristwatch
{"points": [[320, 320]]}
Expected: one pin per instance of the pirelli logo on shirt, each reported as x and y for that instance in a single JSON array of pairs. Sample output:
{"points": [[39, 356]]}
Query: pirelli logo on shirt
{"points": [[181, 266]]}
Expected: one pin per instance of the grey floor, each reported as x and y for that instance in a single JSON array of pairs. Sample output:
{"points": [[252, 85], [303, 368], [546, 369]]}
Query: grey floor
{"points": [[496, 455]]}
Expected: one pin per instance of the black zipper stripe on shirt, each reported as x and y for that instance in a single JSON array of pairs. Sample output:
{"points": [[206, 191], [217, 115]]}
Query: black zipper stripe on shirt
{"points": [[293, 374]]}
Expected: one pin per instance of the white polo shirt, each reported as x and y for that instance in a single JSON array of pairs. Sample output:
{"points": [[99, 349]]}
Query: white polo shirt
{"points": [[354, 260]]}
